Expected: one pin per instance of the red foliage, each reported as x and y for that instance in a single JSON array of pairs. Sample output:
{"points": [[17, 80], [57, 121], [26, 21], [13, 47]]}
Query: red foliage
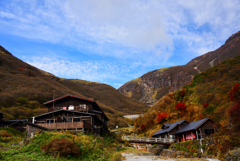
{"points": [[234, 94], [142, 127], [206, 105], [151, 121], [182, 93], [234, 112], [21, 68], [161, 116], [180, 106]]}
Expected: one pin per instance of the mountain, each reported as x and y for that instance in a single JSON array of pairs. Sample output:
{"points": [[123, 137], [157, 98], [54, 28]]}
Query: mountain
{"points": [[213, 93], [21, 81], [155, 84]]}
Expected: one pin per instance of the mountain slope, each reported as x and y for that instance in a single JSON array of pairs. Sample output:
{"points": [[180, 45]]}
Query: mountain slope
{"points": [[153, 85], [19, 79], [207, 96]]}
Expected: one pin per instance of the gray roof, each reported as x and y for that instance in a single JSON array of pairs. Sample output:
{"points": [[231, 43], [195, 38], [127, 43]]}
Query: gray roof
{"points": [[192, 126], [169, 126]]}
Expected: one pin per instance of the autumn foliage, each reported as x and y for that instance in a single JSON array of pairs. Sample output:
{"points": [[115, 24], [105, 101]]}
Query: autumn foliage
{"points": [[206, 105], [234, 94], [142, 127], [234, 112], [161, 116], [180, 106]]}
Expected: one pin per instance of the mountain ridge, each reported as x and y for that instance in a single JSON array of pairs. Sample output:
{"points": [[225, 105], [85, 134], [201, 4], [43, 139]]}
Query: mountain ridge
{"points": [[19, 79], [153, 85]]}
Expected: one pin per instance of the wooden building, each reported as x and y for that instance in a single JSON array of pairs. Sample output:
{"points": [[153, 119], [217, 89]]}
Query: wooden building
{"points": [[183, 130], [196, 130], [72, 113], [168, 129]]}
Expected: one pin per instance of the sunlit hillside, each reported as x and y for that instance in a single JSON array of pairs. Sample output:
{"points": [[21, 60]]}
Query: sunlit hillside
{"points": [[207, 96]]}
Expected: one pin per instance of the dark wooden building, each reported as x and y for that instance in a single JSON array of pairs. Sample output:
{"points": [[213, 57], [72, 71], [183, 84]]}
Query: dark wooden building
{"points": [[72, 113], [183, 130], [196, 130], [168, 129]]}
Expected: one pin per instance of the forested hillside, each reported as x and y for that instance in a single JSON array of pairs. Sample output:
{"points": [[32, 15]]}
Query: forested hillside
{"points": [[214, 93], [24, 88]]}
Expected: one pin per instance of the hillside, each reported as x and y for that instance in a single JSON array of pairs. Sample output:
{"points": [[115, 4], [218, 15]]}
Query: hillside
{"points": [[155, 84], [24, 88], [213, 93]]}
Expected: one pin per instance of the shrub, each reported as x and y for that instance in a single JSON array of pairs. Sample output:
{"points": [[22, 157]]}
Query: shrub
{"points": [[205, 105], [234, 112], [182, 93], [234, 94], [180, 106], [142, 127], [61, 147], [161, 116], [151, 121]]}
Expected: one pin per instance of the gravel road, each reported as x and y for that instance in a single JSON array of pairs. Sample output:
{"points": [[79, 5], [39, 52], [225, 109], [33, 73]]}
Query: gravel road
{"points": [[132, 157]]}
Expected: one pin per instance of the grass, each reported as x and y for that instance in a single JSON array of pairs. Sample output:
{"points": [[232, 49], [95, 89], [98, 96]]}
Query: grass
{"points": [[90, 148]]}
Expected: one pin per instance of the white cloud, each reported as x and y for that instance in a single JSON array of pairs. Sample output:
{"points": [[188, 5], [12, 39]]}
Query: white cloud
{"points": [[144, 32]]}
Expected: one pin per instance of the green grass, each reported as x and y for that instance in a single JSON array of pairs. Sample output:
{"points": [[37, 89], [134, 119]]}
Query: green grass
{"points": [[90, 148]]}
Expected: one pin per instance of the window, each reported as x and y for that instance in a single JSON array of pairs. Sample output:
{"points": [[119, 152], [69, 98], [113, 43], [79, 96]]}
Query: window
{"points": [[172, 136], [76, 119], [69, 120], [83, 106], [209, 131], [71, 107], [51, 121]]}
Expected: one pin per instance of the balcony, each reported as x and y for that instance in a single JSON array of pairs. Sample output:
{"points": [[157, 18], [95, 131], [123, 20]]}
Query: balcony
{"points": [[65, 125], [75, 108]]}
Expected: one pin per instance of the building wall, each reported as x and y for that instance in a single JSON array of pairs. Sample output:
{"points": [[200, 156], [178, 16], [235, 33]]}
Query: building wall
{"points": [[208, 125], [65, 102], [32, 130], [57, 116]]}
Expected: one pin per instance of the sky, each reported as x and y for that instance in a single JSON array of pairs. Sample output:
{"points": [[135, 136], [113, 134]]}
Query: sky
{"points": [[114, 41]]}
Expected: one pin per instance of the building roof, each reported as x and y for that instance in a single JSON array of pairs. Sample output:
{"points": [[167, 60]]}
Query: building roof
{"points": [[64, 111], [193, 125], [82, 98], [69, 95], [12, 121], [167, 127]]}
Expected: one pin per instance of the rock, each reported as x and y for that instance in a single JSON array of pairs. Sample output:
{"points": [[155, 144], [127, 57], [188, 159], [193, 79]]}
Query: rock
{"points": [[233, 155]]}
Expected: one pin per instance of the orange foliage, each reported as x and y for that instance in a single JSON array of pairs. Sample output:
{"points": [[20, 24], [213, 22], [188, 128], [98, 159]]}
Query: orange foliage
{"points": [[161, 116]]}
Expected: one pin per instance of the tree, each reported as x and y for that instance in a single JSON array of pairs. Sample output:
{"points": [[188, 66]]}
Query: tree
{"points": [[161, 116], [180, 106], [234, 94]]}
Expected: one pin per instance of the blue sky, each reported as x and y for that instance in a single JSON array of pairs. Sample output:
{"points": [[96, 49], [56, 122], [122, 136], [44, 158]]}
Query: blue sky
{"points": [[114, 41]]}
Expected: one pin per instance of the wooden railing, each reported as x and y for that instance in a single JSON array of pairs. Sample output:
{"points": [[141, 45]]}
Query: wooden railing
{"points": [[65, 125], [148, 140]]}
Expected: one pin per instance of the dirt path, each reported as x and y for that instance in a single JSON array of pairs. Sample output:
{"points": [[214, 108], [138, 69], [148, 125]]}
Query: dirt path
{"points": [[132, 157]]}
